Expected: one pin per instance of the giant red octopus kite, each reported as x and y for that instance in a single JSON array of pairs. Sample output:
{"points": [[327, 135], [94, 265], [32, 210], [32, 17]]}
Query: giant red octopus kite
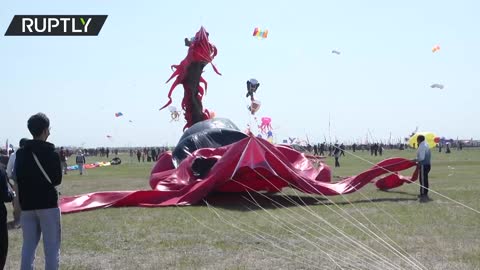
{"points": [[213, 155]]}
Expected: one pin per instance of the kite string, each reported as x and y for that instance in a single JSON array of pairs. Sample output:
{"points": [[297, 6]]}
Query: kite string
{"points": [[306, 225], [337, 244], [292, 231], [361, 245], [256, 203], [373, 224], [209, 228], [233, 224], [328, 207], [388, 247]]}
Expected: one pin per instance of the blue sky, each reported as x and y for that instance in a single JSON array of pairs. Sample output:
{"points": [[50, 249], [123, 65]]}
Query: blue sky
{"points": [[379, 85]]}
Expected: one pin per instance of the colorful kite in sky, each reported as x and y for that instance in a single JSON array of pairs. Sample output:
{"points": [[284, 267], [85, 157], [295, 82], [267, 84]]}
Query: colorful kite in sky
{"points": [[259, 33]]}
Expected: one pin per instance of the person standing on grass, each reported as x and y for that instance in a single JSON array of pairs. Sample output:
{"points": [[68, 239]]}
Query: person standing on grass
{"points": [[342, 149], [154, 154], [80, 160], [336, 153], [6, 195], [11, 175], [38, 172], [423, 161], [63, 160], [322, 149], [139, 154]]}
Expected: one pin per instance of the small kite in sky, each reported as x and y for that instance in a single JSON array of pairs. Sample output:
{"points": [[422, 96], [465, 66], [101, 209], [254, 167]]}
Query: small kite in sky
{"points": [[259, 33], [436, 85], [336, 52]]}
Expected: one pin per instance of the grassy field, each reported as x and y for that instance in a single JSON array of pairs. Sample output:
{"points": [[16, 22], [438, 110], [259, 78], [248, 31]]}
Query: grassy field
{"points": [[297, 231]]}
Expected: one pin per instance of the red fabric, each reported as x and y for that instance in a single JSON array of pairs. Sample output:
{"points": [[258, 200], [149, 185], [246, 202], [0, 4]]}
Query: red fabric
{"points": [[90, 166], [200, 50], [253, 164]]}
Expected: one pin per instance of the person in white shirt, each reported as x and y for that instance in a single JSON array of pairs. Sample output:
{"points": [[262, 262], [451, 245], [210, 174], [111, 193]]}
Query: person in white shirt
{"points": [[11, 175], [424, 166]]}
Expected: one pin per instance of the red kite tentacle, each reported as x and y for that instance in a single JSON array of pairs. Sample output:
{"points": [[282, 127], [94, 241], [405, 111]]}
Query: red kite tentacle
{"points": [[170, 94], [175, 73], [215, 69]]}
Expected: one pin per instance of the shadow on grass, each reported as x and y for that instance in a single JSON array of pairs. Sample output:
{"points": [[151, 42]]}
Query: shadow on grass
{"points": [[244, 201]]}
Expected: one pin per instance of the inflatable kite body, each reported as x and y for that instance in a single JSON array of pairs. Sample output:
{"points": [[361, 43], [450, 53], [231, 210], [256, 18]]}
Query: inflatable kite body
{"points": [[212, 133], [188, 73], [213, 155]]}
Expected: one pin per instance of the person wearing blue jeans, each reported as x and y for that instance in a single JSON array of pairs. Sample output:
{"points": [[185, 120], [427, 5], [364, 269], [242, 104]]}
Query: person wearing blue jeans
{"points": [[35, 223], [38, 171]]}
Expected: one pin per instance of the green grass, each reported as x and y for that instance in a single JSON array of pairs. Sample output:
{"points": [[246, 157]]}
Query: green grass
{"points": [[440, 234]]}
